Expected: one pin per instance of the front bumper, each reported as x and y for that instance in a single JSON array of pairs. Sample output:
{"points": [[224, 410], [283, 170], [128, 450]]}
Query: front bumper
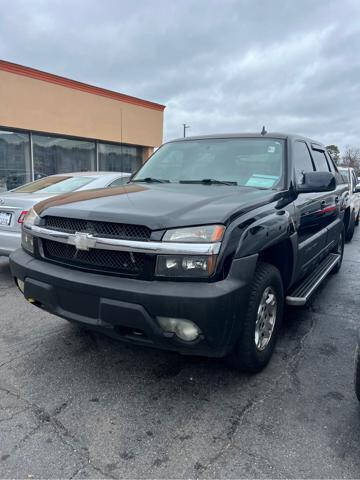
{"points": [[127, 308], [9, 242]]}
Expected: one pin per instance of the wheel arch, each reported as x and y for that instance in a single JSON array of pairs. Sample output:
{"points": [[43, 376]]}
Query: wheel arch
{"points": [[281, 255]]}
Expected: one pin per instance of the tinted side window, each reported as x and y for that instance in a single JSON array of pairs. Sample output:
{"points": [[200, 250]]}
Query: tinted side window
{"points": [[320, 161], [353, 180], [331, 163], [302, 161], [345, 177]]}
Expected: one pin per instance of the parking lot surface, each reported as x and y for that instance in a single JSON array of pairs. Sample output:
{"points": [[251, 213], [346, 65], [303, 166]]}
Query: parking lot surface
{"points": [[76, 404]]}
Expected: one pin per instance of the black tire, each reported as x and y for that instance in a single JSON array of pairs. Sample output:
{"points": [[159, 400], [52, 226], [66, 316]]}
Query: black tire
{"points": [[350, 228], [339, 249], [247, 356], [357, 219], [357, 372]]}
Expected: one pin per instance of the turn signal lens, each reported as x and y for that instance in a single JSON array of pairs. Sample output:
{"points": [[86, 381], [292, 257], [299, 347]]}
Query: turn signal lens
{"points": [[22, 216], [27, 242], [201, 234]]}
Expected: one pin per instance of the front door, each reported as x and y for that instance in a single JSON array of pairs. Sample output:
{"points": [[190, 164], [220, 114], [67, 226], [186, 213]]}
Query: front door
{"points": [[313, 211]]}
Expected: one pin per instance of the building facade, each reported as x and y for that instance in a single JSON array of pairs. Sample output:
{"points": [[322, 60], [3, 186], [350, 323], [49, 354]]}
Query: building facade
{"points": [[50, 124]]}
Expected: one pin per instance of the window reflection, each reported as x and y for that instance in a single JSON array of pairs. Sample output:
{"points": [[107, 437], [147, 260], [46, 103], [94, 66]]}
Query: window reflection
{"points": [[14, 159], [55, 154], [61, 155], [119, 158]]}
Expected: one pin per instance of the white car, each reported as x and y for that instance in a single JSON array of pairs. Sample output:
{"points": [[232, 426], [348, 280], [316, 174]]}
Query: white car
{"points": [[15, 204]]}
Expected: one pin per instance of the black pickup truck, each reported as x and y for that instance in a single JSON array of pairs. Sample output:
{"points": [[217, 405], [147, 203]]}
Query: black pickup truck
{"points": [[199, 252]]}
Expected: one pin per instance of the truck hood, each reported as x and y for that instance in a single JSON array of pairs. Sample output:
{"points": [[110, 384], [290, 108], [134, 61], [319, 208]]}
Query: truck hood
{"points": [[158, 206]]}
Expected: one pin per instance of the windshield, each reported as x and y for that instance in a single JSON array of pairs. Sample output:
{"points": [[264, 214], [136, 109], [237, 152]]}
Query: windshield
{"points": [[252, 162], [56, 184]]}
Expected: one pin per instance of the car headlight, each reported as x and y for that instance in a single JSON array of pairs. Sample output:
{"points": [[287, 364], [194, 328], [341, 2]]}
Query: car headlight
{"points": [[30, 218], [185, 265], [195, 266], [201, 234]]}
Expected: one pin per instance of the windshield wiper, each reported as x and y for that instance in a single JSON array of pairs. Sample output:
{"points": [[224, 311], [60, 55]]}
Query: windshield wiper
{"points": [[209, 181], [151, 180]]}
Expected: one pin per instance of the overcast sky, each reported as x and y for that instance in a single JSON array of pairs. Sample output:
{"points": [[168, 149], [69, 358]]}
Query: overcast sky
{"points": [[219, 66]]}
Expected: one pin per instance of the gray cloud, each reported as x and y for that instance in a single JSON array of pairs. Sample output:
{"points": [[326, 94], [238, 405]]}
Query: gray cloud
{"points": [[220, 66]]}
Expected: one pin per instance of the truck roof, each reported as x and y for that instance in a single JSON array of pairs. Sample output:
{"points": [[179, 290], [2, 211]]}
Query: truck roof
{"points": [[285, 136]]}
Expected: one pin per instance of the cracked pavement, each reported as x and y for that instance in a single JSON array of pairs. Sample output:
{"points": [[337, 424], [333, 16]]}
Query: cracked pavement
{"points": [[75, 404]]}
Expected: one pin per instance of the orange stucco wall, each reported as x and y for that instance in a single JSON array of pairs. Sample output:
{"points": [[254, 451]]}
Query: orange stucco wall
{"points": [[34, 104]]}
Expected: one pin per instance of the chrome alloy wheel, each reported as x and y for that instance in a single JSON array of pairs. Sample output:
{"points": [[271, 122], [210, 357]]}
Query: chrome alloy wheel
{"points": [[266, 318]]}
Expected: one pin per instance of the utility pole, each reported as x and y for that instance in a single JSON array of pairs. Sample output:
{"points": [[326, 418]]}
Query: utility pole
{"points": [[185, 127]]}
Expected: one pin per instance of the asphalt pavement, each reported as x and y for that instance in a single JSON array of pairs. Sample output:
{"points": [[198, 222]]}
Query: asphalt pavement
{"points": [[75, 404]]}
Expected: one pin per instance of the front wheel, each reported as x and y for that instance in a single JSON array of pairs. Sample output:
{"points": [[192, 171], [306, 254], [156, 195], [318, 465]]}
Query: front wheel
{"points": [[262, 320]]}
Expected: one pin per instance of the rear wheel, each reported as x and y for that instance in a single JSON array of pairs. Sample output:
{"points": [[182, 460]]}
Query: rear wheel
{"points": [[351, 227], [262, 320]]}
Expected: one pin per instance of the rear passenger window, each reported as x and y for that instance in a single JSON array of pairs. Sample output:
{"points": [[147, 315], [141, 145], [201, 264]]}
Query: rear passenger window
{"points": [[302, 161], [345, 177], [331, 163], [319, 158], [353, 180]]}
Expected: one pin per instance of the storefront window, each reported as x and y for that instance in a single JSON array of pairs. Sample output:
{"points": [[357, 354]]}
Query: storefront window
{"points": [[53, 155], [61, 155], [14, 159], [119, 158]]}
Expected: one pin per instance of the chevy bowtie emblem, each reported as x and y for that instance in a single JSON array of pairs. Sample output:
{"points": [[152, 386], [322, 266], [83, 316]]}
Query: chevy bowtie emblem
{"points": [[82, 241]]}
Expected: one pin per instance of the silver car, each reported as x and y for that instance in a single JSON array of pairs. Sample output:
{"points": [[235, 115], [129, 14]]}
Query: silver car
{"points": [[15, 204]]}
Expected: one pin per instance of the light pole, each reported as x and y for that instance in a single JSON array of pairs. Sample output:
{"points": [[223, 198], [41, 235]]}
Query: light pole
{"points": [[185, 127]]}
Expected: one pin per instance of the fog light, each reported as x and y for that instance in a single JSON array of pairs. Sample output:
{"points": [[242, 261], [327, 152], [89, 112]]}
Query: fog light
{"points": [[21, 285], [184, 329]]}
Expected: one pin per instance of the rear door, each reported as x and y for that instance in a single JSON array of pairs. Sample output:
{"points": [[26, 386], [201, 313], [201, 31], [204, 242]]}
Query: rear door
{"points": [[333, 202], [311, 232]]}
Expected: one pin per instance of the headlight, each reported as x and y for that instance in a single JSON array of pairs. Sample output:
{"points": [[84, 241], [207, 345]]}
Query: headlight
{"points": [[30, 218], [201, 234], [197, 266]]}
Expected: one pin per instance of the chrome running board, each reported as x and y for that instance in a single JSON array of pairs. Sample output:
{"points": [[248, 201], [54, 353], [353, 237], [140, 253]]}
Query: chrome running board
{"points": [[302, 292]]}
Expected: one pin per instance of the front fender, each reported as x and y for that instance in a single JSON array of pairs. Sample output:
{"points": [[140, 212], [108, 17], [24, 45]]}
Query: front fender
{"points": [[265, 232]]}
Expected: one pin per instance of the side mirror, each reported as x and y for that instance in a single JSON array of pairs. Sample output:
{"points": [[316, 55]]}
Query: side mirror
{"points": [[357, 188], [317, 182]]}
